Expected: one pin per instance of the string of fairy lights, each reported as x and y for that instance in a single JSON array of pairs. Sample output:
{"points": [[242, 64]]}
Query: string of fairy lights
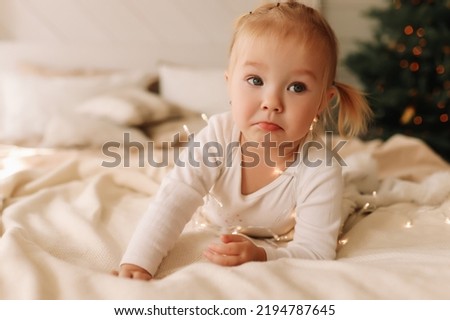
{"points": [[352, 220], [369, 208]]}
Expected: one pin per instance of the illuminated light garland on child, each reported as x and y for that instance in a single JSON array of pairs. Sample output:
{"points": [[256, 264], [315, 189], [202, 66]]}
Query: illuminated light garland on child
{"points": [[204, 225], [365, 210]]}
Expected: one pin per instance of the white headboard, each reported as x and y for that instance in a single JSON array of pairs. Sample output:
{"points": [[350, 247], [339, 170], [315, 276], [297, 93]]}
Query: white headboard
{"points": [[119, 33]]}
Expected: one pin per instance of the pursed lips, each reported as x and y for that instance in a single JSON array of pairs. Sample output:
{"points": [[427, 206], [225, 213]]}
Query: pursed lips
{"points": [[268, 126]]}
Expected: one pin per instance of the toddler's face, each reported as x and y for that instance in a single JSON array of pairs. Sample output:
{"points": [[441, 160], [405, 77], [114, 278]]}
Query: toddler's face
{"points": [[276, 87]]}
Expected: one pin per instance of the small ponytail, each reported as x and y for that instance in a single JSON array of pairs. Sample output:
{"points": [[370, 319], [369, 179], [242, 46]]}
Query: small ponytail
{"points": [[354, 111]]}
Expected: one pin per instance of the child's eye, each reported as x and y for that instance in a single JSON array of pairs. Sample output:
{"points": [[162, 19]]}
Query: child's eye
{"points": [[255, 81], [297, 87]]}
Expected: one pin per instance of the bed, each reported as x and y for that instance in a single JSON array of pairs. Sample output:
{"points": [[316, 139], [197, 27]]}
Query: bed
{"points": [[68, 207]]}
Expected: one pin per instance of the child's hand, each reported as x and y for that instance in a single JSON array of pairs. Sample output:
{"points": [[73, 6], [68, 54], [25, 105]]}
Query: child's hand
{"points": [[132, 271], [234, 250]]}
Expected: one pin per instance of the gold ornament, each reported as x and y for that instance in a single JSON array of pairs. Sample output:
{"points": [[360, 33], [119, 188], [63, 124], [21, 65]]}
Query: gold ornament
{"points": [[408, 114]]}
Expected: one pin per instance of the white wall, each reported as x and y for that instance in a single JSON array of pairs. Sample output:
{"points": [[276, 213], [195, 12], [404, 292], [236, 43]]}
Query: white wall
{"points": [[347, 19], [137, 33], [122, 33]]}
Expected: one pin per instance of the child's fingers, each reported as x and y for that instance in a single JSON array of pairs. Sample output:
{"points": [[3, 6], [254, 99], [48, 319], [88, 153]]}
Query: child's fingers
{"points": [[226, 238], [229, 249], [135, 275], [141, 276], [132, 274], [223, 260]]}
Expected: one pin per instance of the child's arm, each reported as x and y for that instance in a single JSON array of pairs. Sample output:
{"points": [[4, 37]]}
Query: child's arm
{"points": [[318, 216], [178, 196], [234, 250]]}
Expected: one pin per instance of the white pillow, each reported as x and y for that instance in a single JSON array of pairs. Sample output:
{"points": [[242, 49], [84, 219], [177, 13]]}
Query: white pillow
{"points": [[31, 100], [127, 107], [197, 89], [75, 130]]}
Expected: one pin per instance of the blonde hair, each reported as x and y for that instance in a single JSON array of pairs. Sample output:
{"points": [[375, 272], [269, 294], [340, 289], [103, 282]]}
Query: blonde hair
{"points": [[293, 19]]}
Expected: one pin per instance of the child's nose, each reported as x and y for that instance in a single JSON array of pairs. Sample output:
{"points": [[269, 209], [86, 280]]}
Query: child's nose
{"points": [[272, 108], [272, 103]]}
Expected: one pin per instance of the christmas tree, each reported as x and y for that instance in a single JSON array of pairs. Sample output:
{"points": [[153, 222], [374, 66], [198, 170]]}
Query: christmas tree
{"points": [[405, 71]]}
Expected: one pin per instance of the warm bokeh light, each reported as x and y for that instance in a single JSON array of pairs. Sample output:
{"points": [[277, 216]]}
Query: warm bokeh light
{"points": [[418, 120], [409, 30], [420, 32], [417, 51], [404, 64], [440, 69], [414, 67]]}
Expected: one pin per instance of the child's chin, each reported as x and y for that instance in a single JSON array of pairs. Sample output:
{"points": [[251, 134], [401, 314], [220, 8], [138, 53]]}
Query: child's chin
{"points": [[268, 139]]}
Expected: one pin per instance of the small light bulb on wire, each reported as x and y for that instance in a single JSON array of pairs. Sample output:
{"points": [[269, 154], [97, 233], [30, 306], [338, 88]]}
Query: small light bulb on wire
{"points": [[186, 129], [278, 171], [204, 117]]}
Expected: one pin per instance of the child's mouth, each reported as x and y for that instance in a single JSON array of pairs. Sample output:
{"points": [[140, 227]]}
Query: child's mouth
{"points": [[269, 126]]}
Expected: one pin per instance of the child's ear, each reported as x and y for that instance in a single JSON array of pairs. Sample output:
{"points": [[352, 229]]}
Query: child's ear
{"points": [[331, 93], [329, 96]]}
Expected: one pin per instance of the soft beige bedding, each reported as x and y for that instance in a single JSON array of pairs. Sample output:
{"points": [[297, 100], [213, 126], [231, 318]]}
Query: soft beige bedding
{"points": [[65, 221]]}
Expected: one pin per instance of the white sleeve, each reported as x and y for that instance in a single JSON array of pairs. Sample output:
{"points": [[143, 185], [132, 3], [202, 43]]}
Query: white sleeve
{"points": [[318, 216], [179, 195]]}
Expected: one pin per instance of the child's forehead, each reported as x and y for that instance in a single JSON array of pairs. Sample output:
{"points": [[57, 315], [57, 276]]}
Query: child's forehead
{"points": [[286, 55], [264, 45], [283, 55]]}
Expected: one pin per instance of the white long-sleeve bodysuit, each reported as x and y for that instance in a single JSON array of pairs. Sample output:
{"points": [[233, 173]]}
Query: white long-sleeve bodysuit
{"points": [[307, 196]]}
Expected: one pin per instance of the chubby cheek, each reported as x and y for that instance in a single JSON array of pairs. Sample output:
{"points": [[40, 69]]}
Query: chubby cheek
{"points": [[300, 122], [241, 116], [243, 108], [301, 130]]}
